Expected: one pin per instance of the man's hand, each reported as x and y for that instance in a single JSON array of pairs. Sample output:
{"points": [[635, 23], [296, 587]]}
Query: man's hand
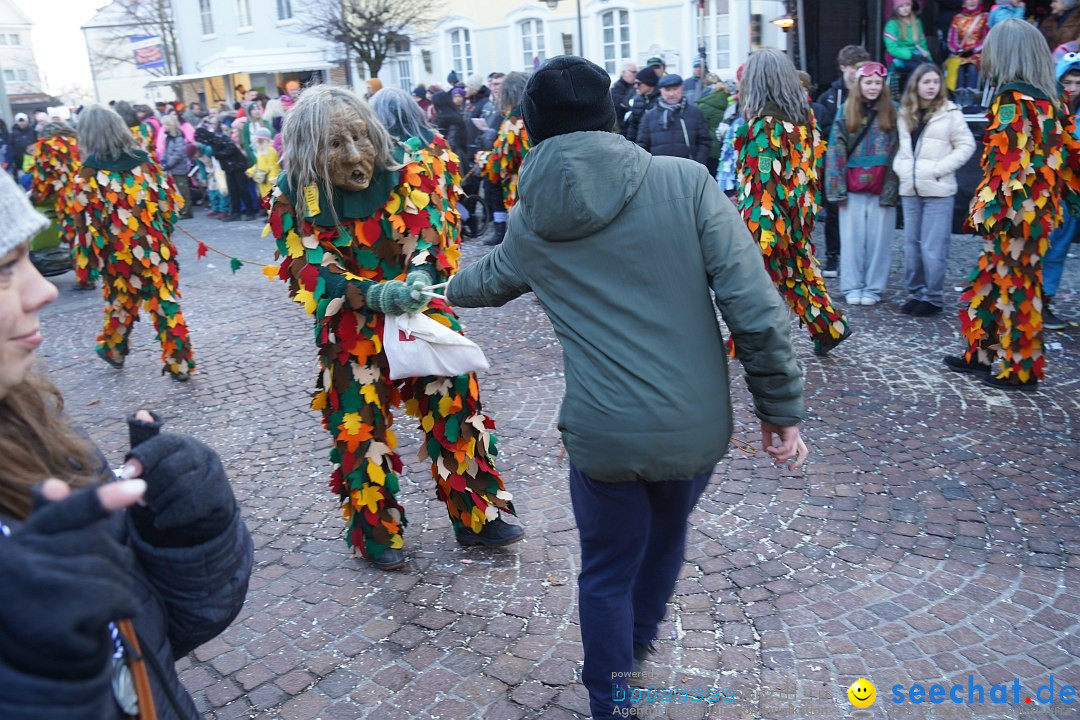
{"points": [[791, 444]]}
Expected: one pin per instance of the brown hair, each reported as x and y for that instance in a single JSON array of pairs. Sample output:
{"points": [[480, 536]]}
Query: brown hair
{"points": [[37, 443], [851, 55], [909, 105], [853, 108]]}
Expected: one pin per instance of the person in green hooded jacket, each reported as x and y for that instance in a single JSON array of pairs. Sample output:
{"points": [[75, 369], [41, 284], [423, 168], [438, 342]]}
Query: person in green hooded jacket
{"points": [[713, 104], [626, 251]]}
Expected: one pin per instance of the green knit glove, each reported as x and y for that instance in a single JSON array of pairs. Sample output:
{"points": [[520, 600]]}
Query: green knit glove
{"points": [[394, 297]]}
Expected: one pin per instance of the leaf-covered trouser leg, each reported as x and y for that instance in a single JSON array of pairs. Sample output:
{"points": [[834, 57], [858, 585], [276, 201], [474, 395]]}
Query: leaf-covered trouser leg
{"points": [[795, 272], [1003, 317], [356, 402], [172, 333], [121, 313], [459, 439]]}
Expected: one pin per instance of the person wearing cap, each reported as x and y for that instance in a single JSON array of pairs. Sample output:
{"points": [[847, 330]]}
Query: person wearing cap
{"points": [[56, 156], [648, 95], [692, 85], [129, 206], [23, 135], [420, 96], [675, 127], [267, 167], [658, 66], [627, 254], [292, 90]]}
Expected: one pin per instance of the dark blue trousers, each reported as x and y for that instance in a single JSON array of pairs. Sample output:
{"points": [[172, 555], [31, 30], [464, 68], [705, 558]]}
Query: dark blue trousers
{"points": [[633, 540]]}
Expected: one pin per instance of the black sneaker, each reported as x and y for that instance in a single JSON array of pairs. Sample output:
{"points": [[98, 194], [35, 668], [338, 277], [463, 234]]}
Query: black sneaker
{"points": [[641, 654], [832, 267], [824, 348], [957, 363], [1052, 321], [495, 533], [926, 309], [909, 307], [388, 559], [1008, 384]]}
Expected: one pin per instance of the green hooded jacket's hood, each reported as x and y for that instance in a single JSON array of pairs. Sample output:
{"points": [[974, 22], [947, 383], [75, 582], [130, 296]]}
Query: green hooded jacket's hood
{"points": [[572, 186]]}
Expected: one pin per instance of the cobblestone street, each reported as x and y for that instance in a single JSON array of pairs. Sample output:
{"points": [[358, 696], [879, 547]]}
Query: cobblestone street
{"points": [[933, 534]]}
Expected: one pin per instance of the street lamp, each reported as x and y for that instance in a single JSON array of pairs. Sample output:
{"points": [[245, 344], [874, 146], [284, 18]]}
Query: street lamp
{"points": [[552, 5], [784, 22]]}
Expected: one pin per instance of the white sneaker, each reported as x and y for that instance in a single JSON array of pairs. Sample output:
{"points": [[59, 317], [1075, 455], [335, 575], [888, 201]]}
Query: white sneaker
{"points": [[867, 300], [853, 299]]}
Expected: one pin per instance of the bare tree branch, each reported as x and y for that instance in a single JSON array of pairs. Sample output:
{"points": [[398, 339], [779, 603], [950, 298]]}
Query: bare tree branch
{"points": [[371, 29], [141, 17]]}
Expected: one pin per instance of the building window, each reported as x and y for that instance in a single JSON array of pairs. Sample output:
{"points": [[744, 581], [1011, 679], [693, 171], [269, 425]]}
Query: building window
{"points": [[22, 75], [3, 38], [718, 33], [284, 9], [404, 68], [461, 52], [9, 75], [15, 39], [243, 14], [616, 29], [532, 43], [207, 17]]}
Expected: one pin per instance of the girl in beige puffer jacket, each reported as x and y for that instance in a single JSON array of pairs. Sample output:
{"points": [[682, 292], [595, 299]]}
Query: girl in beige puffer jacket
{"points": [[935, 142]]}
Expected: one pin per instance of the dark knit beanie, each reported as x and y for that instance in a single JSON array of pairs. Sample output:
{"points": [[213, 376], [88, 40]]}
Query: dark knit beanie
{"points": [[567, 94], [648, 77]]}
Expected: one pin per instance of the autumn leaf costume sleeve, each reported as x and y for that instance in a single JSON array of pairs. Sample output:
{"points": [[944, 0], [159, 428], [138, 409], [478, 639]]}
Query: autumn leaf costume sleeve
{"points": [[53, 183], [406, 220], [780, 165], [130, 207], [1030, 162], [502, 163]]}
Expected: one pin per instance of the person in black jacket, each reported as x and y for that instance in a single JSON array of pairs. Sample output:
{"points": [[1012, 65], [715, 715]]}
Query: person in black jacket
{"points": [[234, 162], [452, 127], [23, 136], [647, 97], [95, 585], [675, 127], [849, 59], [622, 92]]}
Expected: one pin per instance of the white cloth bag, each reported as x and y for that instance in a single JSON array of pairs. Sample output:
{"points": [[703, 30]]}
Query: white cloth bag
{"points": [[416, 346]]}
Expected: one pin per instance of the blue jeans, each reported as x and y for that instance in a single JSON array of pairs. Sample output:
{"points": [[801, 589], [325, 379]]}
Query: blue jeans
{"points": [[1054, 259], [927, 230], [866, 237], [633, 536]]}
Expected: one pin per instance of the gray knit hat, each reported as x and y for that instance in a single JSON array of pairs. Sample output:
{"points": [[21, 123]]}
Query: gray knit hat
{"points": [[18, 218]]}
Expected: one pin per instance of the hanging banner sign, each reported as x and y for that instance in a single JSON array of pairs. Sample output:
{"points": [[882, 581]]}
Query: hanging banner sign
{"points": [[149, 52]]}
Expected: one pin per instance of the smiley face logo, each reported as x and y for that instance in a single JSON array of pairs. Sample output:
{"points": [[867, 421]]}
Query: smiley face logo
{"points": [[862, 693]]}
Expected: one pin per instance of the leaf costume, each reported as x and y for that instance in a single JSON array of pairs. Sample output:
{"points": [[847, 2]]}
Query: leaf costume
{"points": [[56, 161], [405, 220], [502, 163], [1030, 162], [128, 208], [780, 165], [144, 135]]}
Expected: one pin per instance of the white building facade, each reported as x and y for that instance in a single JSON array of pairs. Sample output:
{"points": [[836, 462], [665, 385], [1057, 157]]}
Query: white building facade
{"points": [[477, 36], [17, 61]]}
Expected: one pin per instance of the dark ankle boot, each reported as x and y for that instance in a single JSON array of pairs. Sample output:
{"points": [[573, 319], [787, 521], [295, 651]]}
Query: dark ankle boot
{"points": [[1050, 320], [500, 233]]}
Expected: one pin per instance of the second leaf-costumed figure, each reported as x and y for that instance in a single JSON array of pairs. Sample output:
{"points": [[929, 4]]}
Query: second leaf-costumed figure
{"points": [[362, 224]]}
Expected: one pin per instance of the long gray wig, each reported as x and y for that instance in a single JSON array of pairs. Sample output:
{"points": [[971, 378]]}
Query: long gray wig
{"points": [[770, 77], [1015, 51], [104, 134], [306, 129], [400, 114], [513, 87]]}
